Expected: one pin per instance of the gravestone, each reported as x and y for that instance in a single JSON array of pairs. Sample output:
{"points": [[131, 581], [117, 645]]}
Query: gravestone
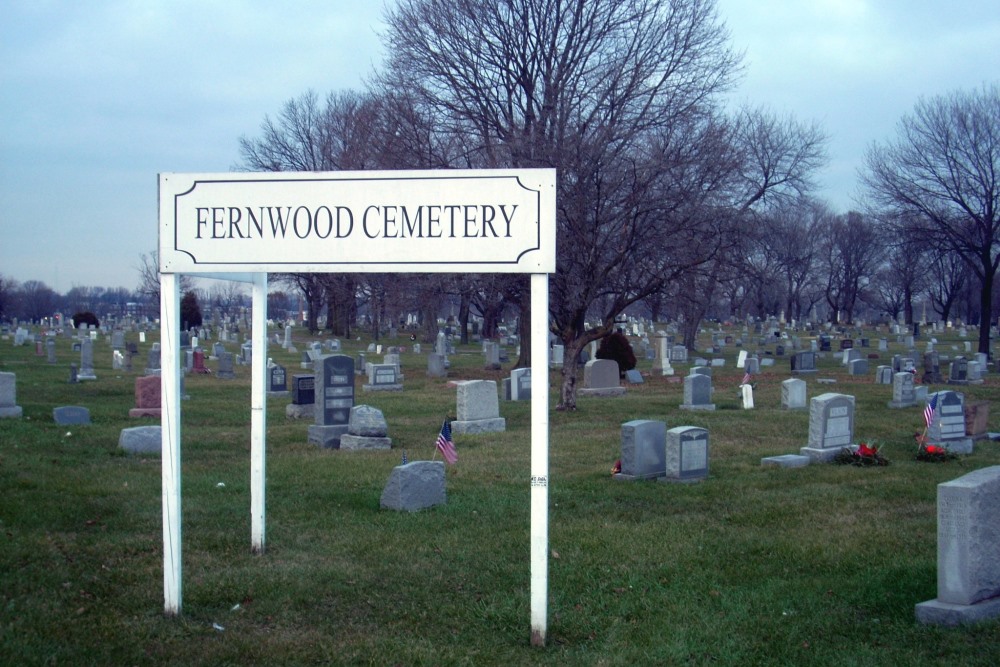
{"points": [[491, 352], [741, 359], [478, 408], [793, 394], [72, 374], [198, 362], [147, 397], [661, 364], [435, 366], [903, 394], [858, 367], [831, 426], [968, 541], [932, 369], [746, 396], [679, 353], [153, 360], [601, 378], [958, 371], [883, 374], [69, 415], [225, 368], [383, 377], [977, 415], [643, 443], [634, 376], [334, 400], [118, 340], [520, 384], [86, 360], [947, 427], [697, 392], [141, 440], [8, 396], [686, 454], [803, 362], [366, 429], [414, 486], [556, 356], [50, 349], [277, 380], [303, 397]]}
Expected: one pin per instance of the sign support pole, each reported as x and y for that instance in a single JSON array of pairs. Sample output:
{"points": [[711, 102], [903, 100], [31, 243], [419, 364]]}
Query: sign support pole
{"points": [[258, 412], [170, 390], [539, 456]]}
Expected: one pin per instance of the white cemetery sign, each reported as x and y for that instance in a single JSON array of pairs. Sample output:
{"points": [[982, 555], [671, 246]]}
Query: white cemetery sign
{"points": [[240, 226]]}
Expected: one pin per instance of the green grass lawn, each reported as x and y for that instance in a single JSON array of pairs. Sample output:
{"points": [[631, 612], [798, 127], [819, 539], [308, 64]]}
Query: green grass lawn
{"points": [[819, 565]]}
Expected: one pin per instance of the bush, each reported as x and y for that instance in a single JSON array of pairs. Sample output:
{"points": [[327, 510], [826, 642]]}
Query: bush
{"points": [[190, 311], [617, 347], [87, 318]]}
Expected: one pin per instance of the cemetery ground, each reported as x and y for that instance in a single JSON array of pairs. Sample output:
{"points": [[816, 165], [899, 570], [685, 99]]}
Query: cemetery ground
{"points": [[817, 565]]}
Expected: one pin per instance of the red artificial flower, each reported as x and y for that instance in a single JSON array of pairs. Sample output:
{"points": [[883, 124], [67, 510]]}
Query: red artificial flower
{"points": [[865, 450], [934, 449]]}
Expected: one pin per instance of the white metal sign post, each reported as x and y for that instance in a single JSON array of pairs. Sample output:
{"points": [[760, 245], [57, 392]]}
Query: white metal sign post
{"points": [[241, 226]]}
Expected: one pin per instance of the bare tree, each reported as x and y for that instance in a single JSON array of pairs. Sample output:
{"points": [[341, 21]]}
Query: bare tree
{"points": [[149, 279], [850, 254], [949, 277], [8, 292], [36, 300], [944, 167]]}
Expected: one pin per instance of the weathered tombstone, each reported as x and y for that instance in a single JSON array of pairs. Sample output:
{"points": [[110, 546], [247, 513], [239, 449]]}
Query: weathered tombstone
{"points": [[858, 367], [968, 540], [634, 376], [69, 415], [643, 443], [746, 394], [520, 384], [366, 429], [153, 360], [661, 365], [491, 352], [803, 362], [118, 340], [147, 397], [334, 400], [947, 427], [141, 440], [679, 353], [686, 454], [383, 377], [793, 394], [225, 369], [86, 360], [958, 371], [478, 408], [50, 349], [932, 369], [831, 426], [977, 415], [601, 378], [8, 396], [435, 366], [883, 345], [697, 392], [277, 380], [556, 356], [903, 394], [414, 486], [753, 365], [883, 374]]}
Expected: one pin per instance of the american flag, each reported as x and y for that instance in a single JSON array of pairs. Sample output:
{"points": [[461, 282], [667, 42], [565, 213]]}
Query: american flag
{"points": [[746, 378], [929, 410], [445, 445]]}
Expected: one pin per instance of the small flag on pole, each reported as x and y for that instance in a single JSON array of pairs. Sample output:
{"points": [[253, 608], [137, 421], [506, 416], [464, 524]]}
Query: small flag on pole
{"points": [[445, 445], [929, 410], [746, 378], [405, 460]]}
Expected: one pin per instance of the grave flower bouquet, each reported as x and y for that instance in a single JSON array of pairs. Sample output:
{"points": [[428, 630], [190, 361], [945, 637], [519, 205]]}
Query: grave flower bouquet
{"points": [[867, 454], [932, 453]]}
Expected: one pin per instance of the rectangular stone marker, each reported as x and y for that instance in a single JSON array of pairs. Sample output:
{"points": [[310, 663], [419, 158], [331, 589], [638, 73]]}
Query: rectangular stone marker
{"points": [[147, 397], [643, 443], [831, 426], [435, 366], [303, 389], [414, 486], [68, 415], [968, 584], [947, 428], [8, 396], [903, 394], [793, 394], [520, 384], [686, 454], [383, 377], [600, 378], [277, 379], [225, 369], [334, 400], [478, 408], [697, 392], [803, 362], [883, 374]]}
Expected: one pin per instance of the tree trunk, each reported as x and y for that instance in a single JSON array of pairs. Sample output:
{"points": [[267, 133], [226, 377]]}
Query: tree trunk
{"points": [[567, 392], [986, 310], [524, 330], [463, 317]]}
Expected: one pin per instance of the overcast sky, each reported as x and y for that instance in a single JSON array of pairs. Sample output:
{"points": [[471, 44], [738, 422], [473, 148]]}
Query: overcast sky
{"points": [[98, 97]]}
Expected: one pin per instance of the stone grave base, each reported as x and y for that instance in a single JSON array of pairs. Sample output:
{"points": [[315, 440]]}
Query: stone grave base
{"points": [[822, 454], [935, 612], [785, 461], [145, 412], [632, 478], [353, 442], [414, 486], [958, 446], [895, 405], [86, 376], [327, 437], [14, 411], [278, 394], [497, 425], [293, 411], [381, 387], [604, 391], [706, 406], [141, 440]]}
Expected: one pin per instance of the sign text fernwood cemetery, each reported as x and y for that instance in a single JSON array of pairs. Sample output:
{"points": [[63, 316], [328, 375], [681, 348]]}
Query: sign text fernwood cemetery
{"points": [[241, 226]]}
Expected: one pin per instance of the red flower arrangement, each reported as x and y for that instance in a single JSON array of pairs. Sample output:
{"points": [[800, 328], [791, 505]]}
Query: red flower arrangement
{"points": [[932, 453], [867, 454]]}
